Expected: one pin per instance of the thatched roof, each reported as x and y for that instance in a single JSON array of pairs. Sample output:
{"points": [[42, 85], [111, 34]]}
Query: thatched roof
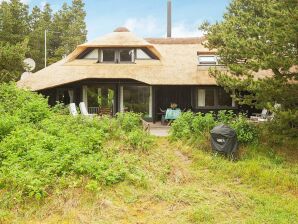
{"points": [[189, 40], [177, 64], [121, 37]]}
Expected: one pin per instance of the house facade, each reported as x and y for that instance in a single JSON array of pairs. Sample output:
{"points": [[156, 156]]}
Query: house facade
{"points": [[123, 72]]}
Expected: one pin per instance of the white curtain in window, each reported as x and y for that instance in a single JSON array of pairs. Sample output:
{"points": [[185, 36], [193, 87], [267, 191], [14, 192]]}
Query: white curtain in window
{"points": [[201, 97], [121, 99], [85, 99], [71, 96]]}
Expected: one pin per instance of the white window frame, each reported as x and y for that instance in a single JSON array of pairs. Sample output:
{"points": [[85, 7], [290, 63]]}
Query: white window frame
{"points": [[217, 58], [116, 51], [116, 56], [85, 97], [107, 62]]}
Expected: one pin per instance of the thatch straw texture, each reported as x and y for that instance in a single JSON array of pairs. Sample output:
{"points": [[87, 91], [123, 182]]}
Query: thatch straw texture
{"points": [[177, 64]]}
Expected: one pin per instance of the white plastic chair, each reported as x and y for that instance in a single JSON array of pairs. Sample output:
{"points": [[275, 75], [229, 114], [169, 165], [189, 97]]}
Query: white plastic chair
{"points": [[84, 111], [73, 109], [260, 117]]}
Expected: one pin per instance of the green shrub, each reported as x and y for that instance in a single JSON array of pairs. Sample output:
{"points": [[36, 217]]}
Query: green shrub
{"points": [[32, 158], [203, 123], [7, 124], [129, 121], [60, 108], [195, 127], [41, 149], [28, 106], [246, 132], [140, 140], [225, 116], [181, 127]]}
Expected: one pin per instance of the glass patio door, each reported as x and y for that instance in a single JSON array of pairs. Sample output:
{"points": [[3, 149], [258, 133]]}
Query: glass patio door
{"points": [[137, 99], [101, 99]]}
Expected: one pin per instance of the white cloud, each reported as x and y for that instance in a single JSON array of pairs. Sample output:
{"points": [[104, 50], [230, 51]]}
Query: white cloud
{"points": [[143, 26], [150, 26], [183, 29]]}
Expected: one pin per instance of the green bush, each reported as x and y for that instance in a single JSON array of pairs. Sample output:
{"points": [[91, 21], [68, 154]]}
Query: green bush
{"points": [[129, 121], [181, 127], [203, 123], [139, 140], [195, 127], [32, 157], [42, 149], [225, 116], [246, 132], [28, 106], [7, 124]]}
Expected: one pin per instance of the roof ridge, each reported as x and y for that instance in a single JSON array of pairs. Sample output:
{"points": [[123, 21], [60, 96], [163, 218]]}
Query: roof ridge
{"points": [[176, 40]]}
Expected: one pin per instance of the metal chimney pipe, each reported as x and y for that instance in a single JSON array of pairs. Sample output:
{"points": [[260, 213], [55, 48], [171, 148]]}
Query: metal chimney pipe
{"points": [[169, 20]]}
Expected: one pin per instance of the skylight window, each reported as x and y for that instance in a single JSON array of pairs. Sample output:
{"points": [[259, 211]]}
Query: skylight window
{"points": [[209, 60]]}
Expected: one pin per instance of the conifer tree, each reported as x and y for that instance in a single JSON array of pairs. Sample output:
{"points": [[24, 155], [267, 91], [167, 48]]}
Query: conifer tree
{"points": [[14, 20], [40, 20], [259, 35]]}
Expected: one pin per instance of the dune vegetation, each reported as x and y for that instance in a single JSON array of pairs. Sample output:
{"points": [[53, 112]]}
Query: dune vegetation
{"points": [[55, 168]]}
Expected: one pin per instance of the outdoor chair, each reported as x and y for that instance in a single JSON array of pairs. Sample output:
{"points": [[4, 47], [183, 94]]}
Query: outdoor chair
{"points": [[163, 114], [263, 116], [84, 111], [73, 109]]}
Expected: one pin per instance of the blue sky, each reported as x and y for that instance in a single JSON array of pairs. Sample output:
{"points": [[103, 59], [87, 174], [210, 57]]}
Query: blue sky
{"points": [[146, 18]]}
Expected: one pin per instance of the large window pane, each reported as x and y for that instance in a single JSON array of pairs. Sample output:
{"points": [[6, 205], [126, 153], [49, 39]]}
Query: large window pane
{"points": [[92, 96], [209, 97], [126, 55], [108, 55], [136, 99], [224, 98], [201, 97], [101, 96]]}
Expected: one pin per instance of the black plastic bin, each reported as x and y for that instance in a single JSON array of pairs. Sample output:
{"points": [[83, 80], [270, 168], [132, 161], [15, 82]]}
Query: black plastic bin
{"points": [[224, 140]]}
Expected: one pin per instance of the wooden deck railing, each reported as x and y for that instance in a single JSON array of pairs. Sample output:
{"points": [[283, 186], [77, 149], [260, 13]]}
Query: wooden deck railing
{"points": [[93, 110]]}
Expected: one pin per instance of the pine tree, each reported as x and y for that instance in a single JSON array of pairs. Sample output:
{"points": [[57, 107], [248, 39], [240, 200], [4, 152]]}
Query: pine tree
{"points": [[39, 22], [11, 60], [14, 20], [70, 24], [24, 33], [259, 35]]}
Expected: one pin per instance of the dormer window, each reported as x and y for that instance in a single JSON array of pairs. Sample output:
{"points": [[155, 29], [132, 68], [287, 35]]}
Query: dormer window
{"points": [[116, 55], [126, 55], [108, 55]]}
